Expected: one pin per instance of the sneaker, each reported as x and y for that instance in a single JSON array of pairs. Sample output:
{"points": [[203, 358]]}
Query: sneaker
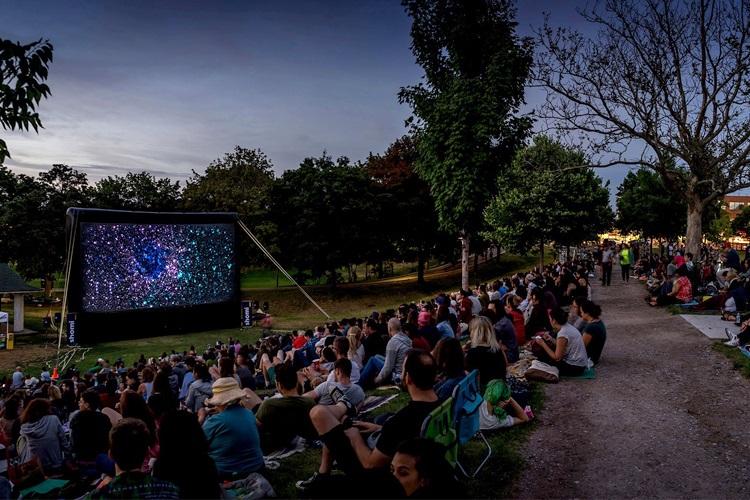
{"points": [[306, 483], [733, 342], [728, 334]]}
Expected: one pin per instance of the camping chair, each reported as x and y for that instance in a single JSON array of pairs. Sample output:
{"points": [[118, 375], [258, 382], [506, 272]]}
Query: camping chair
{"points": [[466, 403], [438, 427]]}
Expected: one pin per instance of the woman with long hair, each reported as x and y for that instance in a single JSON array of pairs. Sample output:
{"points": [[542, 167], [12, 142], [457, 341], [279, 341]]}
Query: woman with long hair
{"points": [[449, 359], [356, 348], [184, 459], [44, 436], [484, 353]]}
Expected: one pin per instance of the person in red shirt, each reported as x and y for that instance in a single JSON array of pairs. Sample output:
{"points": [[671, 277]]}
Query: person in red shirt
{"points": [[511, 309], [417, 340]]}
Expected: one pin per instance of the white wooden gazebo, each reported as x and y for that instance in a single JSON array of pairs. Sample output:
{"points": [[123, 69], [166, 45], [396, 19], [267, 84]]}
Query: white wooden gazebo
{"points": [[12, 284]]}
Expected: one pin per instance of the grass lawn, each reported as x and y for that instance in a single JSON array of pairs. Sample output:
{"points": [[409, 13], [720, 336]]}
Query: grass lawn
{"points": [[740, 361]]}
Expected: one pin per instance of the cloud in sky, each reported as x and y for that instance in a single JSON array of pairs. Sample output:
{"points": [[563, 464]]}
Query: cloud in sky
{"points": [[169, 86]]}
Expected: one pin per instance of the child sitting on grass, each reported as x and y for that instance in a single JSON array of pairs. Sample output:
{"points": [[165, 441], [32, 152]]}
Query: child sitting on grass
{"points": [[493, 413]]}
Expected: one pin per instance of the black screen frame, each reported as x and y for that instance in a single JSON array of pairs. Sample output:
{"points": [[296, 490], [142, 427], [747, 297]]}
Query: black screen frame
{"points": [[93, 327]]}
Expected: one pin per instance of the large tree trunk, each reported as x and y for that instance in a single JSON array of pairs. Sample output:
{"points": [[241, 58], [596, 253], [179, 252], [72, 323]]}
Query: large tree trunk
{"points": [[694, 236], [420, 265], [464, 260]]}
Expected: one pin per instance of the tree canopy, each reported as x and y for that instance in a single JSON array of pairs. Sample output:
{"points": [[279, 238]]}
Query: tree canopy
{"points": [[326, 211], [541, 200], [137, 191], [465, 111], [240, 181], [23, 71], [643, 201], [658, 80]]}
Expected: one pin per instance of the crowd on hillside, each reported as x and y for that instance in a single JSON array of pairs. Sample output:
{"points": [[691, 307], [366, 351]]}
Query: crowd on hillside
{"points": [[183, 424]]}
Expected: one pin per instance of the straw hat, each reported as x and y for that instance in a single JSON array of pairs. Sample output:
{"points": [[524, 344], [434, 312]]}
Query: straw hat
{"points": [[225, 390]]}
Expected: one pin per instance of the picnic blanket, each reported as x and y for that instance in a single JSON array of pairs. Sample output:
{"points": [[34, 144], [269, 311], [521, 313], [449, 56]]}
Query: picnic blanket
{"points": [[373, 402], [712, 326]]}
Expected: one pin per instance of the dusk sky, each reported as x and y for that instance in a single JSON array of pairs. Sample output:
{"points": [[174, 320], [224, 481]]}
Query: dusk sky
{"points": [[169, 86]]}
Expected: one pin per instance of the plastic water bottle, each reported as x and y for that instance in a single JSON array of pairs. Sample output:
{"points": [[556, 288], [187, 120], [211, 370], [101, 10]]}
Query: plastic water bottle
{"points": [[738, 319]]}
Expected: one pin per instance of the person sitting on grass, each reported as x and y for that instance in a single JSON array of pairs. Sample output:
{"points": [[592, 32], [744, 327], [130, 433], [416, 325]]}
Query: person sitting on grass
{"points": [[449, 358], [129, 440], [89, 429], [493, 413], [682, 290], [365, 468], [570, 352], [330, 391], [420, 466], [280, 419], [231, 431], [183, 458], [200, 389], [44, 435], [380, 370], [594, 333], [341, 349], [484, 353]]}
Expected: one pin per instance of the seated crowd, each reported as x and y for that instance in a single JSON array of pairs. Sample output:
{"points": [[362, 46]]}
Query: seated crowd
{"points": [[182, 424]]}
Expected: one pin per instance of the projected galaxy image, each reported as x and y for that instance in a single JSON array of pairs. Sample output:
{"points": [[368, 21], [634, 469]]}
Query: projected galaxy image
{"points": [[149, 266]]}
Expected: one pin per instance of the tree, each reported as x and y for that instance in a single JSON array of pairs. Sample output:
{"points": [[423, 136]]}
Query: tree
{"points": [[465, 111], [23, 71], [541, 202], [33, 220], [326, 210], [742, 221], [239, 182], [408, 223], [660, 80], [137, 191], [643, 201]]}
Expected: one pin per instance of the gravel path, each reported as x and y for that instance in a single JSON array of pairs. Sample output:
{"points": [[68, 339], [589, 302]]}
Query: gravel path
{"points": [[666, 416]]}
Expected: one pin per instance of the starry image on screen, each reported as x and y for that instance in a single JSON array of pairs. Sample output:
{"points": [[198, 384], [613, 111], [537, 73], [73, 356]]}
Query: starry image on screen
{"points": [[152, 266]]}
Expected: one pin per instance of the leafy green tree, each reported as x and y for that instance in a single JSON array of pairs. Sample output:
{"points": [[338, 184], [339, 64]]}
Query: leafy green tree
{"points": [[742, 221], [545, 197], [241, 182], [409, 221], [475, 70], [23, 71], [642, 204], [33, 220], [326, 210], [137, 191]]}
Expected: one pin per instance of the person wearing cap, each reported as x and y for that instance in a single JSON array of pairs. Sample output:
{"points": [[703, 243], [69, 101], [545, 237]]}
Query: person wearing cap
{"points": [[231, 431]]}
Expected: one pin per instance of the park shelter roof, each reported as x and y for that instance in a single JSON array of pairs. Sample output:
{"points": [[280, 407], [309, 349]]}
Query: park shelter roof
{"points": [[11, 282]]}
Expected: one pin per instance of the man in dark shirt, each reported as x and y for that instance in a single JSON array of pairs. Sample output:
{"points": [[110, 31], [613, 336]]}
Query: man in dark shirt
{"points": [[344, 442], [373, 340], [89, 429], [245, 372]]}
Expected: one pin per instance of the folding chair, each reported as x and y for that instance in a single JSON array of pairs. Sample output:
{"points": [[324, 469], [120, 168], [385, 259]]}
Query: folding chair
{"points": [[438, 427], [466, 403]]}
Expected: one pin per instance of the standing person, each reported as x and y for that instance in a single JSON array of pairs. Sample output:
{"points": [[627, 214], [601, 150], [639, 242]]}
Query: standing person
{"points": [[625, 263], [607, 256]]}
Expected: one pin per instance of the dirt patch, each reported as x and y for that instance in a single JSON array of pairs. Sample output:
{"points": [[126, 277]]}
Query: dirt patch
{"points": [[667, 416], [25, 355]]}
